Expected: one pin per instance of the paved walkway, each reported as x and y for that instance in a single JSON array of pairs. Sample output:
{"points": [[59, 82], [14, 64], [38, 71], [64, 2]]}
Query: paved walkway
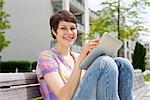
{"points": [[146, 96]]}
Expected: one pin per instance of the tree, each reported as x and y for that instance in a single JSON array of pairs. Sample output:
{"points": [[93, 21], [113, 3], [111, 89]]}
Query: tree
{"points": [[4, 24], [138, 57], [121, 17]]}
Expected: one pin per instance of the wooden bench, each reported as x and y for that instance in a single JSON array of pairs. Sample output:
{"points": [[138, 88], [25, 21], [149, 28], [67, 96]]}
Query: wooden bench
{"points": [[24, 86], [18, 86]]}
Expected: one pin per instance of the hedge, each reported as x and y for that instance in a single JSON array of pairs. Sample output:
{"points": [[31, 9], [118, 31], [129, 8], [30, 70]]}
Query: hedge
{"points": [[34, 63], [13, 66]]}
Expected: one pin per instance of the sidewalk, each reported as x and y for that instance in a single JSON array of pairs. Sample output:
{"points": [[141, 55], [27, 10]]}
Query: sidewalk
{"points": [[146, 96]]}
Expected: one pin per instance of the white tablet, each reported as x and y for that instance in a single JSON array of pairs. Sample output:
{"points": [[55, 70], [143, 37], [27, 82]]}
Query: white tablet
{"points": [[109, 45]]}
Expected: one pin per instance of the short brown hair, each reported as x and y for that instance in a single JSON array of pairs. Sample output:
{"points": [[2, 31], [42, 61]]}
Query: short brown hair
{"points": [[62, 15]]}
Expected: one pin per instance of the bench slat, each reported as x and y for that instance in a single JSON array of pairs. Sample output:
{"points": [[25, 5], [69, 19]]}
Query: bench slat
{"points": [[18, 86], [10, 79]]}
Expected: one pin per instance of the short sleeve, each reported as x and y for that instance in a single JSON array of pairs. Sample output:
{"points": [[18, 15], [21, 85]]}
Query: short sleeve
{"points": [[75, 55], [47, 63]]}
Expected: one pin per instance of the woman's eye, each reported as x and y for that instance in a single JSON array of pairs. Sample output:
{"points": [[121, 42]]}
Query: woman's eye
{"points": [[73, 28], [63, 28]]}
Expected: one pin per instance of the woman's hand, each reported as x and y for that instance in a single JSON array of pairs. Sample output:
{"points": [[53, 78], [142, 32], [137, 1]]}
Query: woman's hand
{"points": [[87, 48]]}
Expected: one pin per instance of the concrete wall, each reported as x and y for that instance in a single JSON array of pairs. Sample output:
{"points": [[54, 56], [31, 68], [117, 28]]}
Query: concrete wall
{"points": [[29, 33]]}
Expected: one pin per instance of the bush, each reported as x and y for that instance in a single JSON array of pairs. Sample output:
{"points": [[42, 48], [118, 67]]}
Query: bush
{"points": [[138, 57], [12, 66], [34, 63]]}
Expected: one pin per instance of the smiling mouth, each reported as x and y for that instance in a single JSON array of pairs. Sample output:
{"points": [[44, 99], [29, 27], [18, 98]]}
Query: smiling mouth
{"points": [[69, 38]]}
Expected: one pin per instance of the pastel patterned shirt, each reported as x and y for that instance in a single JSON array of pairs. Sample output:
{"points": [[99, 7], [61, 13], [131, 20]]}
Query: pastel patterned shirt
{"points": [[52, 61]]}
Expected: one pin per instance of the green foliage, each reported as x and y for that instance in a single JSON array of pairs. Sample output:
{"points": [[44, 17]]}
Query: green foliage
{"points": [[130, 21], [11, 66], [147, 3], [38, 98], [34, 63], [22, 66], [3, 42], [147, 77], [4, 24], [138, 57]]}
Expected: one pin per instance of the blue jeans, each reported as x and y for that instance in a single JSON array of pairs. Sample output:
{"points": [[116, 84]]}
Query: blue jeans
{"points": [[106, 79]]}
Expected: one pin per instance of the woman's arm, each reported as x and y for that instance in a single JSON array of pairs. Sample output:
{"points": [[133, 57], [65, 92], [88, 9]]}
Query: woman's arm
{"points": [[61, 90], [66, 91]]}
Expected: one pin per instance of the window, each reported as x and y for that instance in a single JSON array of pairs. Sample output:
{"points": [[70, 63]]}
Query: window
{"points": [[79, 1]]}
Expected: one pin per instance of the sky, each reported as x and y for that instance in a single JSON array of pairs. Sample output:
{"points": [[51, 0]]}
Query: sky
{"points": [[95, 5]]}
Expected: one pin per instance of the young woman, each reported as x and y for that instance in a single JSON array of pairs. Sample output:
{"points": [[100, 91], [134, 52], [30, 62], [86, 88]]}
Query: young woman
{"points": [[59, 74]]}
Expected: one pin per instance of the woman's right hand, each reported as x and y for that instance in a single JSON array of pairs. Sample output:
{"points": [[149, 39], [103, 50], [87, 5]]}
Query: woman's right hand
{"points": [[87, 48]]}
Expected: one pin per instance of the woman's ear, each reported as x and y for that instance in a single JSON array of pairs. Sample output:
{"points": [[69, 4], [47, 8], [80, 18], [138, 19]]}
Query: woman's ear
{"points": [[53, 32]]}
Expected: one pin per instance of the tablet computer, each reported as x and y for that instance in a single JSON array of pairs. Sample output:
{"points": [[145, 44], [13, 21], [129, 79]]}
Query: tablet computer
{"points": [[109, 45]]}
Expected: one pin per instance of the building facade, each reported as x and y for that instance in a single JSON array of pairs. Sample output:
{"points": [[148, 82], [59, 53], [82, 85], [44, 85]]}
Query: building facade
{"points": [[147, 46], [30, 33], [129, 46]]}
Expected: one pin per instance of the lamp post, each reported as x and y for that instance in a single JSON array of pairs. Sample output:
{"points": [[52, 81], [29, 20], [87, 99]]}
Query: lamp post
{"points": [[119, 19], [118, 22]]}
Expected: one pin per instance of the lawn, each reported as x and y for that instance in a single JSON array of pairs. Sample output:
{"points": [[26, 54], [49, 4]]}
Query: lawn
{"points": [[147, 77]]}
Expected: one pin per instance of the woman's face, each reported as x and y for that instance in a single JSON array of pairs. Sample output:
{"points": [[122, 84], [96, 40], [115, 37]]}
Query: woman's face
{"points": [[66, 33]]}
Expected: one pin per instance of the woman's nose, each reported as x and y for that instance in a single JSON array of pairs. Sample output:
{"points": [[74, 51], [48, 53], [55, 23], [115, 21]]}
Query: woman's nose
{"points": [[70, 31]]}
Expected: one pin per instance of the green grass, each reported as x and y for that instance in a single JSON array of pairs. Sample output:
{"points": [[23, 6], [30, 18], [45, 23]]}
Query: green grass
{"points": [[147, 77], [37, 98]]}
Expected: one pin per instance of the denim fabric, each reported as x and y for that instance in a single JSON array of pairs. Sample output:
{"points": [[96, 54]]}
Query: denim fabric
{"points": [[125, 85], [106, 79]]}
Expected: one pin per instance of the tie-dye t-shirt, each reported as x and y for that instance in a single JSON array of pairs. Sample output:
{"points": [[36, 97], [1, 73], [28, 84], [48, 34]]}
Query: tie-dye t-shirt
{"points": [[52, 61]]}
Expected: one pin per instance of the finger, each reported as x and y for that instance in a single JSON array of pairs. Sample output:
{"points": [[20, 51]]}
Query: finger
{"points": [[95, 39], [93, 43], [93, 46]]}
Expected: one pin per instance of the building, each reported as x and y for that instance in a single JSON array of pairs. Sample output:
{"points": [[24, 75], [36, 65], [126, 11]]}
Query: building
{"points": [[129, 46], [147, 46], [30, 33]]}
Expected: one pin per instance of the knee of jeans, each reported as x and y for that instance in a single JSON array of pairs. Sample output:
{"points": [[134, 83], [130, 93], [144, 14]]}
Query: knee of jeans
{"points": [[126, 64], [107, 63]]}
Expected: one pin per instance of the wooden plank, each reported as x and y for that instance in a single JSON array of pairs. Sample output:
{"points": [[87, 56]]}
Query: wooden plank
{"points": [[18, 86], [23, 92], [10, 79]]}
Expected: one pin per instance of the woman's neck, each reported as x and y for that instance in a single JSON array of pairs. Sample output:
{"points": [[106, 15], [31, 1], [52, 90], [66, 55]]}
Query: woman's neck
{"points": [[64, 50]]}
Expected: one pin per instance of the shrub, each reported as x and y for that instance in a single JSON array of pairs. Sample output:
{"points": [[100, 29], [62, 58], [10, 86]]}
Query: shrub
{"points": [[138, 57], [34, 63], [13, 66]]}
